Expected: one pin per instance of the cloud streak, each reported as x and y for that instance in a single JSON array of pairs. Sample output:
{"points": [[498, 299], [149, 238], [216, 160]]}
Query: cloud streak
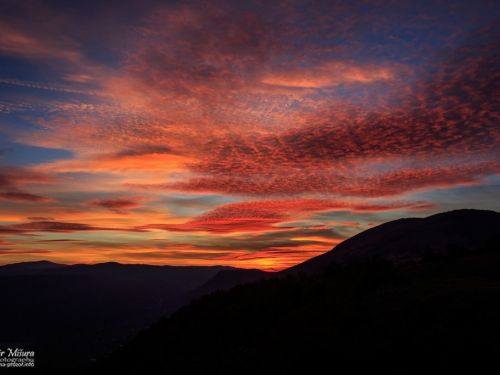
{"points": [[264, 215], [58, 227], [118, 205], [24, 197], [12, 179]]}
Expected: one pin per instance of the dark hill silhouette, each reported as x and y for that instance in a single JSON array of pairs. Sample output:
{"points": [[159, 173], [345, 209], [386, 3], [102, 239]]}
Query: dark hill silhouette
{"points": [[223, 280], [29, 267], [226, 279], [79, 311], [366, 316], [406, 239], [399, 240]]}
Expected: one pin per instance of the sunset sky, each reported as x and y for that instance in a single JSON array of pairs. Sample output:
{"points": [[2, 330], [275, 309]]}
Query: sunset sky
{"points": [[252, 134]]}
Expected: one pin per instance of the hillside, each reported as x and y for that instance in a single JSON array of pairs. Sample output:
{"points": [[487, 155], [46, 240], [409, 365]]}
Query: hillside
{"points": [[406, 239], [361, 314], [364, 316], [70, 313]]}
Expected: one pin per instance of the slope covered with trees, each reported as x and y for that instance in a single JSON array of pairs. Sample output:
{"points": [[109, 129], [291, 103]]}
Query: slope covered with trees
{"points": [[367, 314]]}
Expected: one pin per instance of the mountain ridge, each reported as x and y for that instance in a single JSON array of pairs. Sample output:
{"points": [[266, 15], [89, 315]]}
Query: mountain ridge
{"points": [[406, 239], [388, 239]]}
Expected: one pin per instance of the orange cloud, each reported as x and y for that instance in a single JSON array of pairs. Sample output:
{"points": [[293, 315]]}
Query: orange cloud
{"points": [[121, 163], [327, 74]]}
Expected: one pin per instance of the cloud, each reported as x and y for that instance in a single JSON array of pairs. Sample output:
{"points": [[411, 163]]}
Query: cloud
{"points": [[199, 79], [25, 43], [327, 74], [345, 223], [118, 205], [11, 176], [4, 251], [261, 216], [444, 132], [60, 240], [44, 86], [24, 197], [29, 36], [7, 231], [121, 163], [58, 227], [282, 182]]}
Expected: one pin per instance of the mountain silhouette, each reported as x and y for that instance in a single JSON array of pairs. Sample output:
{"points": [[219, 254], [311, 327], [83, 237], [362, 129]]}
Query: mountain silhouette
{"points": [[407, 239], [29, 267], [400, 241], [361, 312], [223, 280]]}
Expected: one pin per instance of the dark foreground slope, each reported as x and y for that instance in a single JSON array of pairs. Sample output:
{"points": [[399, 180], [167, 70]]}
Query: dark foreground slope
{"points": [[69, 314], [406, 239], [364, 316]]}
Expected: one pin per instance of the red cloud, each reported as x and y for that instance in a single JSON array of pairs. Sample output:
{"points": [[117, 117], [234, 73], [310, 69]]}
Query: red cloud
{"points": [[24, 197], [118, 204], [348, 223], [442, 132], [57, 227], [221, 227], [262, 215], [356, 184], [11, 178], [240, 93], [60, 240], [14, 176]]}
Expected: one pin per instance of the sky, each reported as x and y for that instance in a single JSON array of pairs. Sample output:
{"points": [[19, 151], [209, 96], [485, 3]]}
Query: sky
{"points": [[254, 134]]}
